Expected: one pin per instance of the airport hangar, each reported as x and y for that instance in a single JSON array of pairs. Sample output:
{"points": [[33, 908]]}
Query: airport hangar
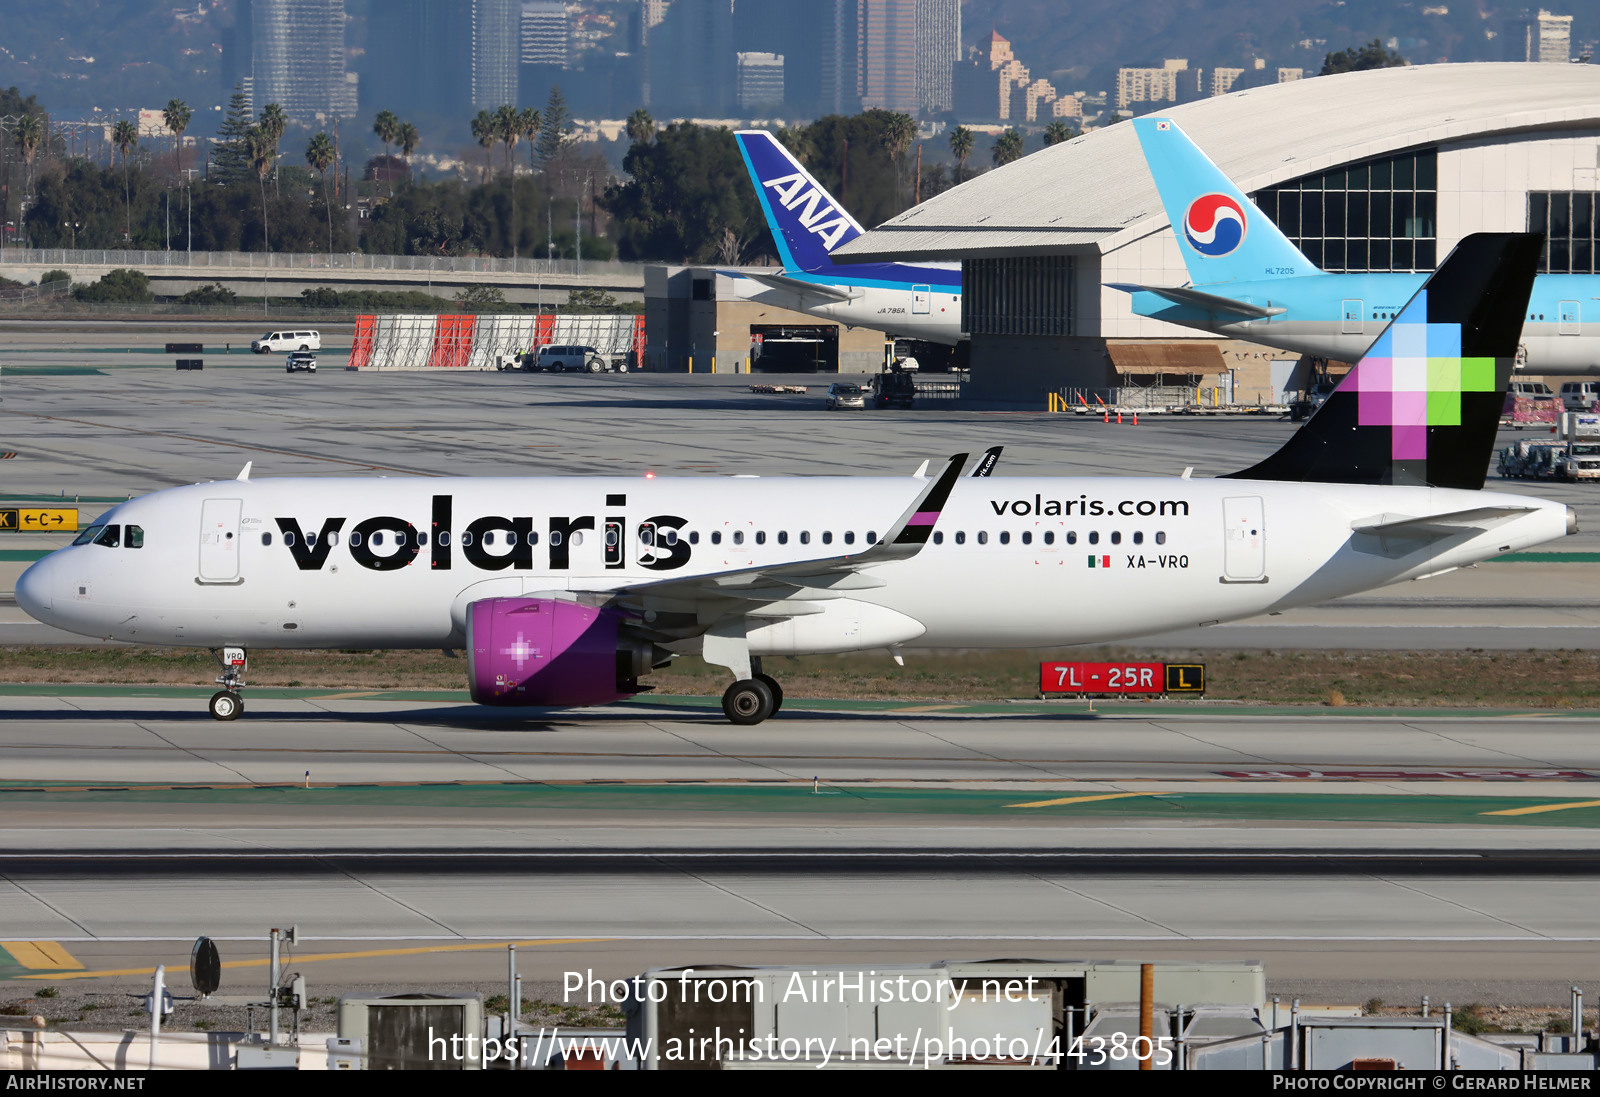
{"points": [[1454, 149]]}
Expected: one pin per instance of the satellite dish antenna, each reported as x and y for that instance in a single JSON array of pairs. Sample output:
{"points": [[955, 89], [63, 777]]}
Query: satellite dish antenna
{"points": [[205, 967]]}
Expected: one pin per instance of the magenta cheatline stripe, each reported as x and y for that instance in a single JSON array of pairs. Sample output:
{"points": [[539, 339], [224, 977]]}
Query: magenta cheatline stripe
{"points": [[924, 518]]}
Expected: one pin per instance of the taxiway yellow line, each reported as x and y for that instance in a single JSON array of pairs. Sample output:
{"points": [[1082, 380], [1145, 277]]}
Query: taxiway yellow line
{"points": [[1082, 799], [41, 954], [476, 946], [1540, 808]]}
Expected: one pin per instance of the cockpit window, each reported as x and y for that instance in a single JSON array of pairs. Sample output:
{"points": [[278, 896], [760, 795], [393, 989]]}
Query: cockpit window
{"points": [[88, 535], [110, 537], [135, 537]]}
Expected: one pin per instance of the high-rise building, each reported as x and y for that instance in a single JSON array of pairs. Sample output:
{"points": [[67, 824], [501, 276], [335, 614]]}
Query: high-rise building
{"points": [[1286, 76], [691, 60], [495, 46], [544, 33], [418, 62], [1162, 85], [1550, 38], [839, 86], [298, 58], [887, 62], [938, 50], [758, 83]]}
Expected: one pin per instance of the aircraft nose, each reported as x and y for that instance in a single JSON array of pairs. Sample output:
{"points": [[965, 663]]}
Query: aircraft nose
{"points": [[34, 589]]}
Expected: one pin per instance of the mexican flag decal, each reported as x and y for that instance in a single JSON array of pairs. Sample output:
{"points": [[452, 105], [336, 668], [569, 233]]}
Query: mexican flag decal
{"points": [[1099, 561]]}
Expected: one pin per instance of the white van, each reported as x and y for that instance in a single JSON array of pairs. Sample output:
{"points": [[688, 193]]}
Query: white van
{"points": [[1579, 395], [287, 340]]}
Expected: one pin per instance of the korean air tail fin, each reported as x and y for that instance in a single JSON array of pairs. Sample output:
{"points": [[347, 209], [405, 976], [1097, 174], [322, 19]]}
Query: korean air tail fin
{"points": [[1221, 233], [1423, 405], [805, 220]]}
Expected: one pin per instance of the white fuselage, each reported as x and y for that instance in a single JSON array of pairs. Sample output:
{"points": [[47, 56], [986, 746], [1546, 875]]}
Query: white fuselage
{"points": [[925, 312], [1015, 562]]}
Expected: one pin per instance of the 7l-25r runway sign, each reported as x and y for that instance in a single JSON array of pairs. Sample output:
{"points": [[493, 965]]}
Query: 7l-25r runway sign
{"points": [[39, 519], [1141, 678]]}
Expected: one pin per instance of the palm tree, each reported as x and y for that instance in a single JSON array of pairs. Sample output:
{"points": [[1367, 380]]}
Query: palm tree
{"points": [[508, 128], [176, 115], [1007, 147], [387, 127], [273, 122], [30, 134], [408, 139], [125, 135], [640, 127], [320, 155], [899, 130], [483, 131], [961, 141], [531, 122], [1057, 132], [261, 151]]}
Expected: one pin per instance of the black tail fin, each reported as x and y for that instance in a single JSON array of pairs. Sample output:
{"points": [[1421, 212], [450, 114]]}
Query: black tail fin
{"points": [[1422, 406]]}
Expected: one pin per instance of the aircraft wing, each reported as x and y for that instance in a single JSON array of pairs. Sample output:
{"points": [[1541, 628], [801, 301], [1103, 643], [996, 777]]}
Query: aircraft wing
{"points": [[1184, 295], [822, 291], [678, 608], [1398, 535]]}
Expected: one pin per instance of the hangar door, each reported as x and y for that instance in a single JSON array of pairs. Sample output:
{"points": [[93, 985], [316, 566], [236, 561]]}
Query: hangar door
{"points": [[794, 348]]}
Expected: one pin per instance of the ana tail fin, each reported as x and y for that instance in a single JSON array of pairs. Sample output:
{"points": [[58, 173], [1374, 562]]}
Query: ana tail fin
{"points": [[1423, 405], [805, 220], [1221, 233]]}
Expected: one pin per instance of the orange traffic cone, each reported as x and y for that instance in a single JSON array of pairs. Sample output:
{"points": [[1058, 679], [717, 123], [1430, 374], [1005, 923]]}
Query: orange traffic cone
{"points": [[1119, 418], [1135, 418], [1106, 418]]}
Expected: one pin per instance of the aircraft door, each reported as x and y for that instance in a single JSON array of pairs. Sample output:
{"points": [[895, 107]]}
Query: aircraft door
{"points": [[1569, 319], [921, 300], [219, 540], [1352, 313], [1244, 547]]}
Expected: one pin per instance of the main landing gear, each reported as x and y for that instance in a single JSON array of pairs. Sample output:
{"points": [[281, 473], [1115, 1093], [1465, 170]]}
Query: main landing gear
{"points": [[226, 704], [751, 700]]}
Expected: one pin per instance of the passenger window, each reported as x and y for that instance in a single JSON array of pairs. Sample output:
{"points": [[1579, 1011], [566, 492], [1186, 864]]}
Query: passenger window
{"points": [[555, 537], [577, 538], [1005, 538], [1050, 537], [488, 537], [670, 537], [333, 538], [783, 537], [377, 538], [961, 537], [827, 537], [983, 537], [288, 539], [466, 538], [1027, 537], [849, 536], [716, 537], [266, 538], [738, 536], [1116, 537], [311, 539], [1138, 537], [533, 537], [694, 537], [1161, 538], [761, 536], [444, 537], [612, 537], [1094, 537], [135, 537], [355, 538], [422, 539], [872, 537], [805, 537], [938, 536], [1072, 537]]}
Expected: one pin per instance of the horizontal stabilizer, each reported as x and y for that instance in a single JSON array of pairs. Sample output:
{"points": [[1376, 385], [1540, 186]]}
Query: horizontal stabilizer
{"points": [[1211, 302], [819, 291], [1437, 525]]}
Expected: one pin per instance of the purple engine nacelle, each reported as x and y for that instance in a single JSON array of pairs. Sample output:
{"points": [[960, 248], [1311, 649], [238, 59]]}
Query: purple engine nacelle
{"points": [[540, 651]]}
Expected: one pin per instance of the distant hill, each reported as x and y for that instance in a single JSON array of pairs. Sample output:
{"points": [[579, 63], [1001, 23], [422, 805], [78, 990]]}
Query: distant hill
{"points": [[1079, 44]]}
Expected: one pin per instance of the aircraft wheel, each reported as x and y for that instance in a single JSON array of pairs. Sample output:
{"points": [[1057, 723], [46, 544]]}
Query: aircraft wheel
{"points": [[748, 702], [226, 705], [774, 688]]}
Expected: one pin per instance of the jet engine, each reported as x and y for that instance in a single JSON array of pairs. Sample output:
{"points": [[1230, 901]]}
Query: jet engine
{"points": [[542, 651]]}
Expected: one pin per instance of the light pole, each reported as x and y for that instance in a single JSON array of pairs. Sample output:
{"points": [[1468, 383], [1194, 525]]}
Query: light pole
{"points": [[74, 226]]}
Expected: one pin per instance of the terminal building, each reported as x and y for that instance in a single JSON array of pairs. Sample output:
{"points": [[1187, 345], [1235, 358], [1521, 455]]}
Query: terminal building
{"points": [[1443, 150]]}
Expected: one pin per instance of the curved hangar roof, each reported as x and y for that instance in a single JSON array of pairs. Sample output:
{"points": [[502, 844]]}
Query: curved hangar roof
{"points": [[1094, 190]]}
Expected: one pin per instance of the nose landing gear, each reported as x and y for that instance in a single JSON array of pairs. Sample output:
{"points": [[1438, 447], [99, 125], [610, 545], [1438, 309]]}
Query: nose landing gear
{"points": [[226, 704], [751, 700]]}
